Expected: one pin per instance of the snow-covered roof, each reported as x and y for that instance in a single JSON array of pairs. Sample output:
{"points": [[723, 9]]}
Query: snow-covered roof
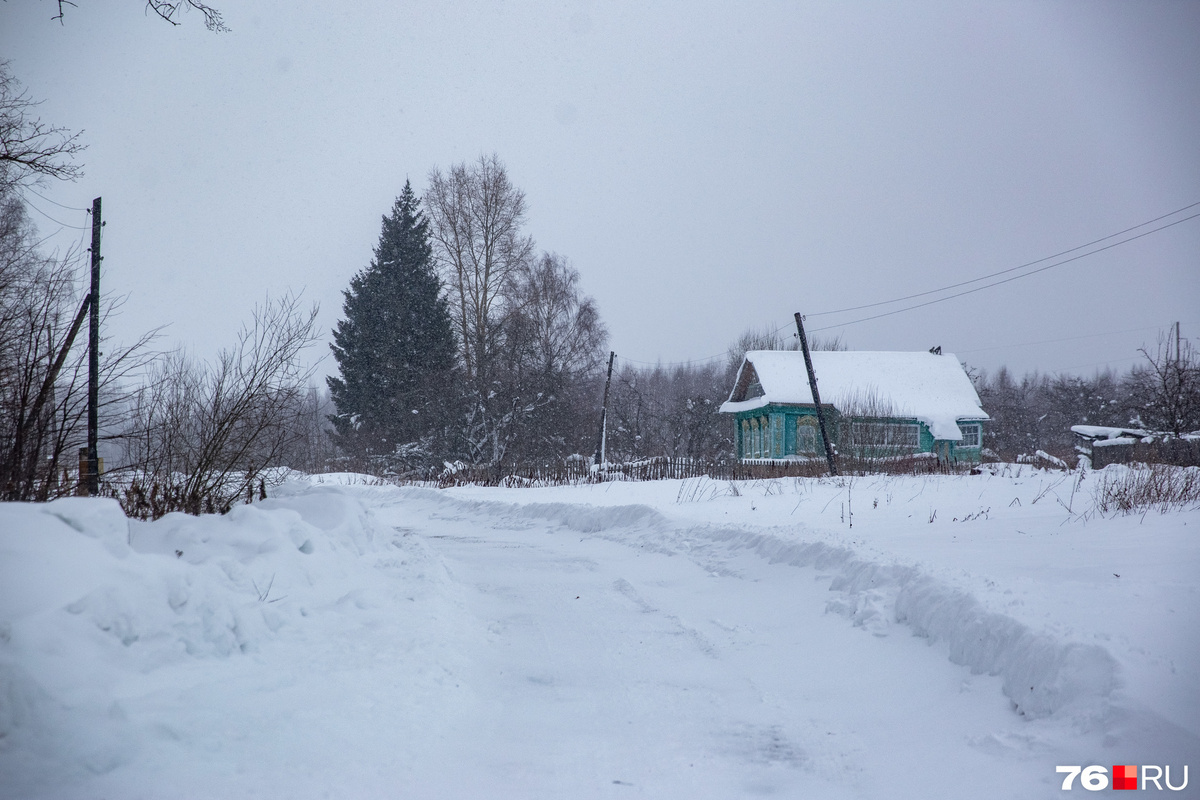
{"points": [[931, 388], [1104, 432]]}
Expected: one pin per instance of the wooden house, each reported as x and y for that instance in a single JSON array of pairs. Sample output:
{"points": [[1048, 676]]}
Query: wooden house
{"points": [[878, 405]]}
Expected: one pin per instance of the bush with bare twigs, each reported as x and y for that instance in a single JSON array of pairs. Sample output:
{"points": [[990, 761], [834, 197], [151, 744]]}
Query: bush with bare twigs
{"points": [[1142, 487], [204, 436]]}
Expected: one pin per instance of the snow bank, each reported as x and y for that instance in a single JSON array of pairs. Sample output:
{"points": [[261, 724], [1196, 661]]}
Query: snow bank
{"points": [[91, 601], [1042, 676]]}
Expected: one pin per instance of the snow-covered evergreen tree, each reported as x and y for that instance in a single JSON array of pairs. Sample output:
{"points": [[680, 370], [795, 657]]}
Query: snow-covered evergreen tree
{"points": [[395, 348]]}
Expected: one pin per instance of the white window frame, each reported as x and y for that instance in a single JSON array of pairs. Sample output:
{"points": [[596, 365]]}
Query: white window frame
{"points": [[976, 432], [891, 434]]}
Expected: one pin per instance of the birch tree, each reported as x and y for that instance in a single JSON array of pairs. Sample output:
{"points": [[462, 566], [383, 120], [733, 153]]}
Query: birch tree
{"points": [[476, 217]]}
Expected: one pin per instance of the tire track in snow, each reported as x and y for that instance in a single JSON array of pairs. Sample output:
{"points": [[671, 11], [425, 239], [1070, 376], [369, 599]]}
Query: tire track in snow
{"points": [[1042, 675]]}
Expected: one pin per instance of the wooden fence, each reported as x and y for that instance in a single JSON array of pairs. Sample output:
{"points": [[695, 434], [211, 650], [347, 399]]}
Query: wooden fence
{"points": [[1180, 452], [664, 468]]}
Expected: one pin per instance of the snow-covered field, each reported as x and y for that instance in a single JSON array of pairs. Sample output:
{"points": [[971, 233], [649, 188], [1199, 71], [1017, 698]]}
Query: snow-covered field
{"points": [[875, 637]]}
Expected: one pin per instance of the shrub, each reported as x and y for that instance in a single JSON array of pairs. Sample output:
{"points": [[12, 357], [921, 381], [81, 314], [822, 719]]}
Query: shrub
{"points": [[1142, 487]]}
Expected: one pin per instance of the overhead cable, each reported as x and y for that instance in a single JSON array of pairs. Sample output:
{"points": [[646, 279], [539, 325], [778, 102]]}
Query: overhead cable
{"points": [[52, 219], [60, 205], [1007, 280], [1022, 266]]}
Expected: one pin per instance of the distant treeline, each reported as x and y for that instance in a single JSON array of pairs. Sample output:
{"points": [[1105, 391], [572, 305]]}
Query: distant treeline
{"points": [[1036, 411]]}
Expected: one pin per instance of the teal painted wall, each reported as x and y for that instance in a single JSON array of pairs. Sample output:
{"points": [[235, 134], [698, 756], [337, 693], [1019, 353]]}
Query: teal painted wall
{"points": [[781, 422]]}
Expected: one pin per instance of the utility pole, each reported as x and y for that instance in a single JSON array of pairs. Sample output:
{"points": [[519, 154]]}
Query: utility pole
{"points": [[599, 457], [93, 422], [812, 382], [1178, 360]]}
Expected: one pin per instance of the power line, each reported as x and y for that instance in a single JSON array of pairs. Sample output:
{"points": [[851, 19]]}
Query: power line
{"points": [[52, 219], [1022, 266], [1001, 272], [60, 205], [967, 283], [1008, 280]]}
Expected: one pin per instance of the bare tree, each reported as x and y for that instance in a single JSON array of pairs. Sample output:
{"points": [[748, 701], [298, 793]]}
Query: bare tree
{"points": [[30, 149], [553, 351], [169, 11], [669, 411], [477, 216], [566, 336], [36, 295], [312, 448], [43, 372], [768, 338], [870, 438], [1166, 389], [204, 435]]}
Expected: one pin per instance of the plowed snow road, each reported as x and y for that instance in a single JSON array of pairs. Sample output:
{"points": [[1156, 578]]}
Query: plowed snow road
{"points": [[602, 669]]}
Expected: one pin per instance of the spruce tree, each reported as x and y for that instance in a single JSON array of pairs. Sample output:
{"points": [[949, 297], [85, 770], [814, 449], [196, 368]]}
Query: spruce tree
{"points": [[395, 348]]}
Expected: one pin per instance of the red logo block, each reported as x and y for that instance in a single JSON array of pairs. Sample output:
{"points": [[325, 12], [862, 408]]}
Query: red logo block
{"points": [[1124, 777]]}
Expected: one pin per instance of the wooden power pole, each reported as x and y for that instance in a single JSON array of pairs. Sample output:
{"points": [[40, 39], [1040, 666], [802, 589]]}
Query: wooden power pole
{"points": [[1178, 354], [93, 420], [599, 457], [812, 382]]}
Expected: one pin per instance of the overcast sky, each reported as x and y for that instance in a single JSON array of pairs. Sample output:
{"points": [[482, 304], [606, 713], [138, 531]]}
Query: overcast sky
{"points": [[707, 167]]}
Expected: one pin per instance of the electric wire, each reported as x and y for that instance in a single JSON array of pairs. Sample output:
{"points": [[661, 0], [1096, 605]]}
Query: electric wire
{"points": [[1022, 266], [52, 219], [1006, 280], [717, 356], [992, 275], [60, 205]]}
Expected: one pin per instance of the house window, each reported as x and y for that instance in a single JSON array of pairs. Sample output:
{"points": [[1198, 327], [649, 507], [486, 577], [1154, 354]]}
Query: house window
{"points": [[806, 438], [760, 437], [970, 435], [886, 435]]}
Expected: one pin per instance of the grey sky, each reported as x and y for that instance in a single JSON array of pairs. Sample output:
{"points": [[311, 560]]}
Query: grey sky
{"points": [[705, 166]]}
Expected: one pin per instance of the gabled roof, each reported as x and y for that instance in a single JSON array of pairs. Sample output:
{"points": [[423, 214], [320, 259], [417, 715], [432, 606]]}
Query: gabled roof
{"points": [[931, 388]]}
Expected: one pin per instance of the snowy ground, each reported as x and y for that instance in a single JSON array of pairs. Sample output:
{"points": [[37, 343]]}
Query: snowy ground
{"points": [[881, 637]]}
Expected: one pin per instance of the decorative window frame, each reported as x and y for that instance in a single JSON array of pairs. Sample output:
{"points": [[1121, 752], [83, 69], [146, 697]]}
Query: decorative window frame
{"points": [[807, 428]]}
